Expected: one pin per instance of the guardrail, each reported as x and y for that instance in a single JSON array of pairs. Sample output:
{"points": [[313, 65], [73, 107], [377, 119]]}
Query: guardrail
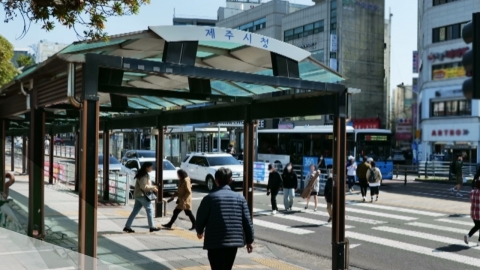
{"points": [[119, 189], [433, 169]]}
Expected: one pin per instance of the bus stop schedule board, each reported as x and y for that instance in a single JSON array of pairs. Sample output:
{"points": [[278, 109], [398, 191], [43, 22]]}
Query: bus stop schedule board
{"points": [[260, 172]]}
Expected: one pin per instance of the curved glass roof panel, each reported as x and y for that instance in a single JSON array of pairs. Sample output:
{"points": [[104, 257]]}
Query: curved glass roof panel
{"points": [[229, 89]]}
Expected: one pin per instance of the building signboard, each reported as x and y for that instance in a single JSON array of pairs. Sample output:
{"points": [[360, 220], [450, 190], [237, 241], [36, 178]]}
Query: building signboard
{"points": [[451, 132], [448, 73], [333, 43], [455, 53], [415, 61]]}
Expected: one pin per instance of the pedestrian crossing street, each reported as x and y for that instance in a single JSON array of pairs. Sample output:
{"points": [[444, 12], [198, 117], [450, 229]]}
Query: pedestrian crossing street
{"points": [[425, 233]]}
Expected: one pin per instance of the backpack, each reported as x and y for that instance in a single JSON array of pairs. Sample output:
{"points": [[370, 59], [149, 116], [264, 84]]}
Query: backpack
{"points": [[372, 179], [452, 168]]}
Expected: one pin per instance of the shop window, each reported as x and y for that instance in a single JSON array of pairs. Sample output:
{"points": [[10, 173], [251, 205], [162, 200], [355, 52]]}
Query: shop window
{"points": [[450, 108]]}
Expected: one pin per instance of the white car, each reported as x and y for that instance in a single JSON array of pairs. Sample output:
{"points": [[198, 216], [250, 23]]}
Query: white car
{"points": [[170, 178], [201, 168]]}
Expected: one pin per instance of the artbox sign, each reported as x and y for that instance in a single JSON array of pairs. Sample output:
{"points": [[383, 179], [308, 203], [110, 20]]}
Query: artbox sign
{"points": [[456, 53], [451, 132]]}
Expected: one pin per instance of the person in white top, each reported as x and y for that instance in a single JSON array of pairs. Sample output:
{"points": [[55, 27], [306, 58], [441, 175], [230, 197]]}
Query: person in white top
{"points": [[351, 172], [47, 144], [374, 177]]}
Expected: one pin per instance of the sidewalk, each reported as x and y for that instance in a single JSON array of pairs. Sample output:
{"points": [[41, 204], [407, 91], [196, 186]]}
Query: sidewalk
{"points": [[167, 249]]}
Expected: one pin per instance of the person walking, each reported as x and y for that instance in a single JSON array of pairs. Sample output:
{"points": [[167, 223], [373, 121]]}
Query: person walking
{"points": [[142, 186], [290, 185], [374, 177], [224, 220], [351, 172], [474, 212], [275, 182], [328, 194], [184, 201], [458, 172], [362, 176], [313, 187]]}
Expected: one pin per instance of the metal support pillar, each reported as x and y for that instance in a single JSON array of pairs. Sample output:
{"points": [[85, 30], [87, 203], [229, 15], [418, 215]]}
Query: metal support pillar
{"points": [[339, 247], [2, 155], [24, 154], [248, 163], [77, 160], [12, 154], [50, 157], [160, 138], [87, 227], [219, 141], [106, 163], [36, 202]]}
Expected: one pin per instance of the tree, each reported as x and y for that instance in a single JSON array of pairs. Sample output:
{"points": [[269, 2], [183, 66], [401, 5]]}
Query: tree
{"points": [[25, 60], [7, 70], [92, 14]]}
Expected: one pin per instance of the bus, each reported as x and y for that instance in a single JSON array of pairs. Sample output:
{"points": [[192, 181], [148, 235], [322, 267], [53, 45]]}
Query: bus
{"points": [[280, 146]]}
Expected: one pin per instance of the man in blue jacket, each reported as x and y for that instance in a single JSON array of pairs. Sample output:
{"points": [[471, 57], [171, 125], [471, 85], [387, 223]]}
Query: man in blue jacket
{"points": [[224, 219]]}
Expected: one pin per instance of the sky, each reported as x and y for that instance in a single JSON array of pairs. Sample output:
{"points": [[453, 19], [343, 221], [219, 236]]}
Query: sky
{"points": [[161, 12]]}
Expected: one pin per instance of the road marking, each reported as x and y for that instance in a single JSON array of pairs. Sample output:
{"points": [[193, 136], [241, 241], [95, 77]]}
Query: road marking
{"points": [[398, 209], [372, 213], [354, 246], [297, 218], [437, 195], [350, 218], [279, 227], [436, 227], [426, 236], [414, 248], [456, 222]]}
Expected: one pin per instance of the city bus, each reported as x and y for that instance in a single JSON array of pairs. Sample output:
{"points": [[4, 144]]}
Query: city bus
{"points": [[280, 146]]}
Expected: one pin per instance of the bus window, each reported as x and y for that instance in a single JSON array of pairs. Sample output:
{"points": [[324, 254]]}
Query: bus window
{"points": [[376, 146]]}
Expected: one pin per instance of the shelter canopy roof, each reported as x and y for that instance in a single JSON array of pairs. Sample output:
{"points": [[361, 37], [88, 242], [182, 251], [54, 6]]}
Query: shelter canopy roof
{"points": [[218, 48]]}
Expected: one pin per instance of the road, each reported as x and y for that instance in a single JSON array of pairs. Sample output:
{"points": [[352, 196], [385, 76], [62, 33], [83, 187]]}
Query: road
{"points": [[418, 226]]}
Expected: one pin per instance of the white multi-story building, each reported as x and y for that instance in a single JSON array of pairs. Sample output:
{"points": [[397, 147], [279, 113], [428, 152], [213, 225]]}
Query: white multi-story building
{"points": [[46, 49], [450, 124]]}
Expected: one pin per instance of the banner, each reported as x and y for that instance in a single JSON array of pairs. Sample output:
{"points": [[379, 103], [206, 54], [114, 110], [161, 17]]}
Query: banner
{"points": [[415, 61], [448, 73], [58, 170]]}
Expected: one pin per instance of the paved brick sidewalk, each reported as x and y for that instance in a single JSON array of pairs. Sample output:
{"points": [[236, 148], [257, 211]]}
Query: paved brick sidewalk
{"points": [[167, 249]]}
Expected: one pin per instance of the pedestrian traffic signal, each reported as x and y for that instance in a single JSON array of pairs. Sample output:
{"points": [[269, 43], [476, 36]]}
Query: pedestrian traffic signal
{"points": [[471, 59]]}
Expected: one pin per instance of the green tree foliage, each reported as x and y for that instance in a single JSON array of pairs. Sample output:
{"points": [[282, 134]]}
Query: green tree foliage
{"points": [[7, 70], [25, 60], [91, 14]]}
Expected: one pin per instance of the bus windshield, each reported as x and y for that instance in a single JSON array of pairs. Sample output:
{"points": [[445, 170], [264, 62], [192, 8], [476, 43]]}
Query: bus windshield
{"points": [[376, 146]]}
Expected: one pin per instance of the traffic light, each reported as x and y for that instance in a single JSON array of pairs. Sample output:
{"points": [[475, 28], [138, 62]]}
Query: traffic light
{"points": [[471, 59]]}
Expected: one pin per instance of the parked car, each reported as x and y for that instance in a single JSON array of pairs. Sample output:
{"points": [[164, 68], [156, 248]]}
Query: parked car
{"points": [[170, 178], [115, 165], [58, 141], [130, 154], [201, 168]]}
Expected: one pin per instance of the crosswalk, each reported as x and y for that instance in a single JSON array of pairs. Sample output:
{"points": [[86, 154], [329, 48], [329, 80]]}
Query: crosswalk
{"points": [[425, 233]]}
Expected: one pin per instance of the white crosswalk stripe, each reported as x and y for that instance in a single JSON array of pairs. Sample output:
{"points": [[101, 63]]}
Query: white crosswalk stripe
{"points": [[436, 227], [279, 227], [298, 219], [414, 248], [398, 209], [349, 218], [372, 213], [426, 236], [456, 222]]}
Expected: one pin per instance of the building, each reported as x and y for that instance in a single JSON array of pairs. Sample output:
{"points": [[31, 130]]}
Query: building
{"points": [[403, 116], [450, 124], [17, 52], [46, 49], [386, 66], [348, 36], [194, 21]]}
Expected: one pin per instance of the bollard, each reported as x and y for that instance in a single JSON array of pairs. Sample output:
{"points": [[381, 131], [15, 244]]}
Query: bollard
{"points": [[405, 177], [426, 169]]}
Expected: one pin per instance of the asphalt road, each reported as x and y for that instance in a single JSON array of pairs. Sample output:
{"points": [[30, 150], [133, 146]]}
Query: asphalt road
{"points": [[381, 236]]}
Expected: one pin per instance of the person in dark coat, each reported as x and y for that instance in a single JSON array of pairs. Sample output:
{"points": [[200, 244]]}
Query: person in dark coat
{"points": [[290, 185], [224, 220], [362, 176], [275, 182], [328, 194]]}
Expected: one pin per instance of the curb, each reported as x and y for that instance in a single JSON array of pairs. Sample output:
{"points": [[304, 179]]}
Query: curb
{"points": [[469, 182]]}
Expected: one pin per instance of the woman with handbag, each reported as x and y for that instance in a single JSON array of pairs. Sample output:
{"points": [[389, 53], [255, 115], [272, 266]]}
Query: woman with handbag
{"points": [[144, 193], [184, 201], [313, 187]]}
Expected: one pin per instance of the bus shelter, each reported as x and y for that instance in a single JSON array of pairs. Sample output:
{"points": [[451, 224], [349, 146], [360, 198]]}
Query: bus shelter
{"points": [[152, 78]]}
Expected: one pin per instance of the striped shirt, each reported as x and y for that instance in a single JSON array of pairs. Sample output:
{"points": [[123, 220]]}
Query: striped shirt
{"points": [[475, 207]]}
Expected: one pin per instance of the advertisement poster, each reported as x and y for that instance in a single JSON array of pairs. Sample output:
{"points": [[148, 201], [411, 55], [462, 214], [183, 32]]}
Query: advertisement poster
{"points": [[307, 161], [260, 173], [448, 73]]}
